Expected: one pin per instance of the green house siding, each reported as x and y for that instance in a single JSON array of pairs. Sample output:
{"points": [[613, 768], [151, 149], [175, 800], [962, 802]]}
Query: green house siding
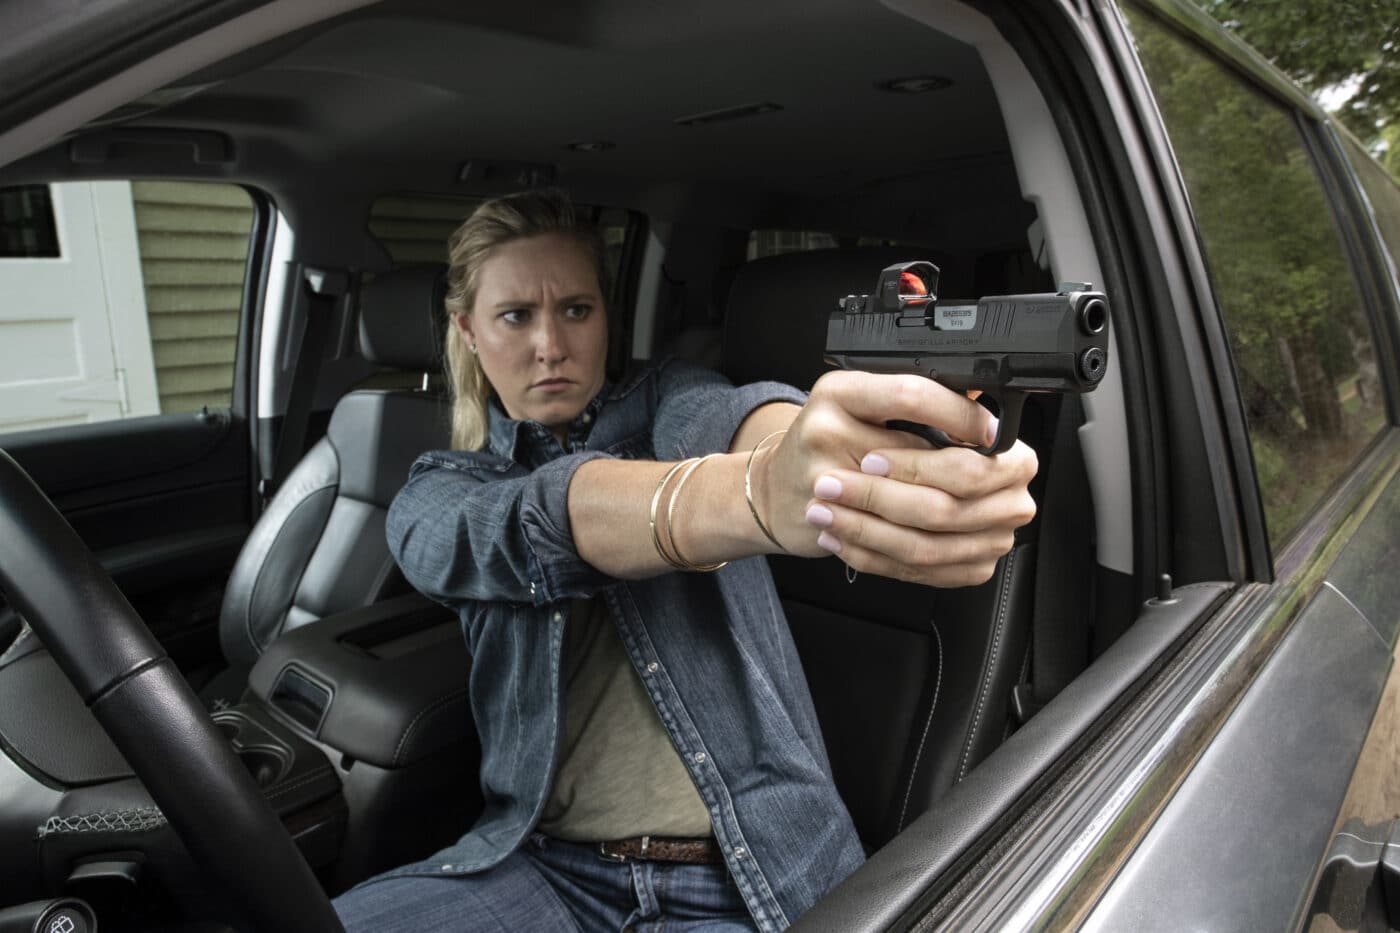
{"points": [[415, 229], [193, 240]]}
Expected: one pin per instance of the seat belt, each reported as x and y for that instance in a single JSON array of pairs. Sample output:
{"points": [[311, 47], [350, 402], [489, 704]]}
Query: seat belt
{"points": [[1064, 571], [324, 289]]}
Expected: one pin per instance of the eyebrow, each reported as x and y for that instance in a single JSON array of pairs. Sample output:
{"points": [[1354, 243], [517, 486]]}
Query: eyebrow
{"points": [[565, 300]]}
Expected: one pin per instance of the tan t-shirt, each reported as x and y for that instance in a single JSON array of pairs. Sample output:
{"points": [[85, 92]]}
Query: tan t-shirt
{"points": [[619, 775]]}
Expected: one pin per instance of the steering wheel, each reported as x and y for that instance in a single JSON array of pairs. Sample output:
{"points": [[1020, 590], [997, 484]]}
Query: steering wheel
{"points": [[152, 716]]}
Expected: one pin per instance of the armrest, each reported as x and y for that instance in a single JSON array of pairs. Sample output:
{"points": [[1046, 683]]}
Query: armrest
{"points": [[385, 684]]}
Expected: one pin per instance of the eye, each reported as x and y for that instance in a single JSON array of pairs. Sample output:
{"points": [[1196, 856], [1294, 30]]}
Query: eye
{"points": [[579, 311], [515, 316]]}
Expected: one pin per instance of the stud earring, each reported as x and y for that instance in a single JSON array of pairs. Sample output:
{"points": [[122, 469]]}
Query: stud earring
{"points": [[473, 348]]}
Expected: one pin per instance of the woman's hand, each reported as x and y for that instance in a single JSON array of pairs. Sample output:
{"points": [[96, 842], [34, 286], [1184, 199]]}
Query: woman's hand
{"points": [[884, 502]]}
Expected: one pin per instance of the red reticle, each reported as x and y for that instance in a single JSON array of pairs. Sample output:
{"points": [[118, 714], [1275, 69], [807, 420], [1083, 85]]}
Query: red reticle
{"points": [[911, 284]]}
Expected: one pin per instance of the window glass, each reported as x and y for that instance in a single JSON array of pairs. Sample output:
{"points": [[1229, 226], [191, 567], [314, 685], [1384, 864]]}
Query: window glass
{"points": [[765, 243], [136, 314], [1382, 193], [27, 228], [415, 228], [1301, 342]]}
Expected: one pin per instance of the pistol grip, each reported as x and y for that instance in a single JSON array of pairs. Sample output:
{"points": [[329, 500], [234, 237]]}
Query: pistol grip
{"points": [[1007, 429]]}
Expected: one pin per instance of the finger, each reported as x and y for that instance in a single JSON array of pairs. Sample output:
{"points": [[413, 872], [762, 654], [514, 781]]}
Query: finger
{"points": [[925, 507], [829, 426], [957, 471], [947, 575], [877, 398], [906, 545], [857, 435]]}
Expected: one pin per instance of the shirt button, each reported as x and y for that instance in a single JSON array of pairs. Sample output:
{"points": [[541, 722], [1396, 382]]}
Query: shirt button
{"points": [[446, 868], [532, 588], [587, 417], [699, 758], [558, 616], [740, 852], [653, 667]]}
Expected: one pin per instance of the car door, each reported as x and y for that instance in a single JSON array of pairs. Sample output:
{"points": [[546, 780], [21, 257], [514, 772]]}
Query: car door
{"points": [[1193, 777], [1212, 800], [126, 331], [1306, 293]]}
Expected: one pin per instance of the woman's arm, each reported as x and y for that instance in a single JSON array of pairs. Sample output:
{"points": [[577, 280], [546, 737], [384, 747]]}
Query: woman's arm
{"points": [[473, 526], [838, 481], [610, 506], [467, 526]]}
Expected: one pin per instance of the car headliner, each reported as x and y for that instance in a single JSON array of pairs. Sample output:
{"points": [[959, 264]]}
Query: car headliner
{"points": [[405, 93]]}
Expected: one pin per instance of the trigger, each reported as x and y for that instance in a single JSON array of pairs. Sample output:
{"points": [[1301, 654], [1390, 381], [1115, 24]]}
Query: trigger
{"points": [[934, 436]]}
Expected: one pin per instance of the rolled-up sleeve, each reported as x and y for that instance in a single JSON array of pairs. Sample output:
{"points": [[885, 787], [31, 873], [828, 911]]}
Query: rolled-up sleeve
{"points": [[462, 529], [699, 411]]}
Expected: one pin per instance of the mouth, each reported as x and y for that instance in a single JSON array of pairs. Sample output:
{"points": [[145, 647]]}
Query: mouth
{"points": [[552, 385]]}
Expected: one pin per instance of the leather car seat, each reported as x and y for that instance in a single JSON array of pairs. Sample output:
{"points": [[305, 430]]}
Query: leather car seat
{"points": [[912, 684], [319, 546]]}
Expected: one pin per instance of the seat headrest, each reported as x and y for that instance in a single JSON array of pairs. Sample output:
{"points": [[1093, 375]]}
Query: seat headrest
{"points": [[776, 314], [402, 318]]}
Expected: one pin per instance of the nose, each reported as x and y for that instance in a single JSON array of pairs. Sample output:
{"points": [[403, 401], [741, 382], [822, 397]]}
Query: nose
{"points": [[549, 341]]}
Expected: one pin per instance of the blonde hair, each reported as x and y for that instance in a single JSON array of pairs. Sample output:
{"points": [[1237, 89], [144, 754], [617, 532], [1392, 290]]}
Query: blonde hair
{"points": [[495, 222]]}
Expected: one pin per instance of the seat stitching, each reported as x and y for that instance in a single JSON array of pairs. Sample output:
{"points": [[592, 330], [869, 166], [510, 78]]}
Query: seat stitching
{"points": [[262, 566], [933, 704], [436, 704], [1003, 602], [129, 819], [302, 781]]}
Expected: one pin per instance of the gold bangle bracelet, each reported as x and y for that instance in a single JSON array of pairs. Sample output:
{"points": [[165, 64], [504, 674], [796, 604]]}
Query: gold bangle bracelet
{"points": [[671, 515], [748, 490], [655, 502]]}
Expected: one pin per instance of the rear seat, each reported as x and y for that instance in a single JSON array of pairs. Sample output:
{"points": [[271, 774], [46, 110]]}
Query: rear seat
{"points": [[912, 684]]}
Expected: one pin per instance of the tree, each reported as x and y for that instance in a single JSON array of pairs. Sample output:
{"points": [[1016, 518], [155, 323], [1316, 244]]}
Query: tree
{"points": [[1287, 297], [1389, 147], [1324, 44]]}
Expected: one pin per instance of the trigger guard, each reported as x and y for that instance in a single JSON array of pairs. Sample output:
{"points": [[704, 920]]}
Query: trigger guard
{"points": [[1008, 425], [1008, 428]]}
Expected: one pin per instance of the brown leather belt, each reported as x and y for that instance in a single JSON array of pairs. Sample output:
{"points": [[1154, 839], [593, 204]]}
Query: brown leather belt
{"points": [[704, 851]]}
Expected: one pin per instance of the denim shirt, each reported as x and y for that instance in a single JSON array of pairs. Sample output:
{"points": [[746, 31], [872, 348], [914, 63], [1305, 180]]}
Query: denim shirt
{"points": [[487, 533]]}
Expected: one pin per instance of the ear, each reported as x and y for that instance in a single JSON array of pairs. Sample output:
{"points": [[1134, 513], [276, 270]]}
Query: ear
{"points": [[463, 323]]}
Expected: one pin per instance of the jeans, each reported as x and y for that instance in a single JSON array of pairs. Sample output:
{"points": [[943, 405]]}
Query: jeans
{"points": [[550, 885]]}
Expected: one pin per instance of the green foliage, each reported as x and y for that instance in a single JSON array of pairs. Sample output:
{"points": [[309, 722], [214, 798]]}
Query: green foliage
{"points": [[1287, 296], [1324, 43], [1389, 149]]}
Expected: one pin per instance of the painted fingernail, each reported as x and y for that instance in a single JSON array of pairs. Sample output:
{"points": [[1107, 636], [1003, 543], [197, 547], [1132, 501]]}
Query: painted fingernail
{"points": [[828, 487], [875, 465], [829, 541], [992, 427], [819, 515]]}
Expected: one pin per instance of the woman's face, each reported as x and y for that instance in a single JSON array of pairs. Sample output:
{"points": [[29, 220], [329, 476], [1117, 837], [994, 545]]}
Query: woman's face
{"points": [[540, 329]]}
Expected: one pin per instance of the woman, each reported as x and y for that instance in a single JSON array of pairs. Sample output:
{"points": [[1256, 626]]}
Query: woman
{"points": [[649, 750]]}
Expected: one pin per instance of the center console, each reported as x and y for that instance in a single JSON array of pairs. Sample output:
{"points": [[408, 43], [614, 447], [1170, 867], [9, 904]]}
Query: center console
{"points": [[381, 692]]}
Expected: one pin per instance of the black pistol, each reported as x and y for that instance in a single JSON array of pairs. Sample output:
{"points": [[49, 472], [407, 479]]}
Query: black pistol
{"points": [[1004, 345]]}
